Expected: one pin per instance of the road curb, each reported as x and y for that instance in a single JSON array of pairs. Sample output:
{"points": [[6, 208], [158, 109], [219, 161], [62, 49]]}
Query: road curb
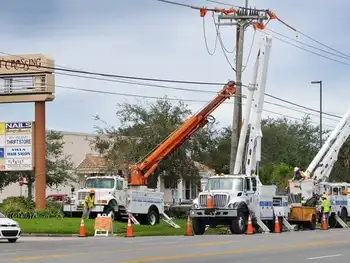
{"points": [[47, 235], [54, 235]]}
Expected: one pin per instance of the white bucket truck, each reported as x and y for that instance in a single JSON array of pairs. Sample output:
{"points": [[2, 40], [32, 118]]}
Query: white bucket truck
{"points": [[237, 196], [114, 197]]}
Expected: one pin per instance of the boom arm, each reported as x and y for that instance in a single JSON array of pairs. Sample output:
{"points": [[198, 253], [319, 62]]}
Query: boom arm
{"points": [[253, 111], [141, 171], [321, 166]]}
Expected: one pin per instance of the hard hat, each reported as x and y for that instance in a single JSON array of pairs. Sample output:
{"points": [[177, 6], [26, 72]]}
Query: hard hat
{"points": [[324, 196], [92, 191], [296, 169]]}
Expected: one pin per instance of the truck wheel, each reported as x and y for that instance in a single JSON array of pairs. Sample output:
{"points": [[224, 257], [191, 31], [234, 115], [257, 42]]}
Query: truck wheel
{"points": [[332, 221], [312, 223], [239, 224], [344, 215], [109, 211], [152, 217], [198, 226]]}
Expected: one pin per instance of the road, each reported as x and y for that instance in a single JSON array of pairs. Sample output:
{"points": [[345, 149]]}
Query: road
{"points": [[305, 246]]}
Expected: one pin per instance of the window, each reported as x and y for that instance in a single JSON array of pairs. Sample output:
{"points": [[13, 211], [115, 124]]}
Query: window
{"points": [[100, 183], [235, 184], [254, 184], [119, 185], [247, 184]]}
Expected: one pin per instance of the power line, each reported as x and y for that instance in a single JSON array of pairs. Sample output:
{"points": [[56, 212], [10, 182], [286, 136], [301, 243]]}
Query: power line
{"points": [[177, 99], [26, 84], [65, 69]]}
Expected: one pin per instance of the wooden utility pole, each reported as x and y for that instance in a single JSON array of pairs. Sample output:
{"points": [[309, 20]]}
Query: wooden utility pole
{"points": [[242, 19]]}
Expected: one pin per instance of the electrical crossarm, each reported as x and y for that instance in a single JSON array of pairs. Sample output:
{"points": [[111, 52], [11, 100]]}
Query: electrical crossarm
{"points": [[141, 171]]}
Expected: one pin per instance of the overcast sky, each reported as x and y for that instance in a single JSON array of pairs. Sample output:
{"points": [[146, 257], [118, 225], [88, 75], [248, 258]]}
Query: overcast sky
{"points": [[151, 39]]}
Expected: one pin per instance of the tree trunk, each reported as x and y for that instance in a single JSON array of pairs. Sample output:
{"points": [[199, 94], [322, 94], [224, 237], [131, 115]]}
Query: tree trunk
{"points": [[30, 189]]}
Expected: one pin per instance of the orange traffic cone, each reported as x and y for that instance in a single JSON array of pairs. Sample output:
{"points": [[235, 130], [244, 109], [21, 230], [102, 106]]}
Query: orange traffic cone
{"points": [[250, 230], [82, 229], [277, 225], [210, 202], [324, 223], [129, 232], [189, 231]]}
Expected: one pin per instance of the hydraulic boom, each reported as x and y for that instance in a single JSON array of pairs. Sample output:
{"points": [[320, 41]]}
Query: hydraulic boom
{"points": [[321, 166], [141, 171]]}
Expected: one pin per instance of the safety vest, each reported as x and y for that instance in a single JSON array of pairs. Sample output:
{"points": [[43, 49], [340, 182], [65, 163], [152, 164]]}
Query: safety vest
{"points": [[88, 202], [326, 204], [303, 202]]}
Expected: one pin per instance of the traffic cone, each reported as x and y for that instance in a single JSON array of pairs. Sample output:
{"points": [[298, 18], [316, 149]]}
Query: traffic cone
{"points": [[82, 229], [129, 232], [324, 223], [277, 225], [189, 231], [250, 230], [210, 202]]}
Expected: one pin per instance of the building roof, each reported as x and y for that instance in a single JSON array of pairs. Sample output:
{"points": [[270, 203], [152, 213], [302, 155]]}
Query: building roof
{"points": [[93, 164]]}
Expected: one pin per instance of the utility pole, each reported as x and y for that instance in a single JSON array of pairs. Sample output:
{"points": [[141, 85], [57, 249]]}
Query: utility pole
{"points": [[319, 82], [244, 18]]}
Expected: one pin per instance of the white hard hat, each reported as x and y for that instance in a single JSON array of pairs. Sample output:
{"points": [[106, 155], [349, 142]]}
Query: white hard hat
{"points": [[296, 169]]}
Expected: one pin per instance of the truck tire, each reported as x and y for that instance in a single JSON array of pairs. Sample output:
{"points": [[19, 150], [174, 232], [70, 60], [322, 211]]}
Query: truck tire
{"points": [[198, 226], [152, 218], [332, 221], [312, 223], [109, 210], [344, 215], [239, 224]]}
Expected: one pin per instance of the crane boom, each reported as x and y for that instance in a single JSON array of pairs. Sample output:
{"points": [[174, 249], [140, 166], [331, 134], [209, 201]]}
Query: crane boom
{"points": [[321, 166], [141, 171]]}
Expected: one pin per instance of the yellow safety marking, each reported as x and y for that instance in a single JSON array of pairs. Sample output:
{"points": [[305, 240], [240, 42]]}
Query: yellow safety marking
{"points": [[241, 251], [111, 251]]}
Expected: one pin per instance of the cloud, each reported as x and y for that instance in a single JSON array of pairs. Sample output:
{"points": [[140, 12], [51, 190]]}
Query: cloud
{"points": [[152, 39]]}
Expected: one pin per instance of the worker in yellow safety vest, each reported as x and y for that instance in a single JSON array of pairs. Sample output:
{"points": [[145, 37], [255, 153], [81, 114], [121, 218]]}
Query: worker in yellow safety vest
{"points": [[325, 207], [89, 203]]}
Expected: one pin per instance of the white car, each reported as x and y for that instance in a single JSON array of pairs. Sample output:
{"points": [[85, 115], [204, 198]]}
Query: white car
{"points": [[9, 229]]}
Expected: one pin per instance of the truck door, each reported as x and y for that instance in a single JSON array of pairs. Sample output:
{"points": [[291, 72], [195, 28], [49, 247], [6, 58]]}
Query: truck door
{"points": [[120, 193]]}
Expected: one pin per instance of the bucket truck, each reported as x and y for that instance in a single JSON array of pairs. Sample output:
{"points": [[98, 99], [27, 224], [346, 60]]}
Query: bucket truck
{"points": [[318, 173], [229, 199], [119, 196]]}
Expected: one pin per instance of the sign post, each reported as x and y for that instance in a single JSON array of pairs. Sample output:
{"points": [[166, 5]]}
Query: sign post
{"points": [[26, 78]]}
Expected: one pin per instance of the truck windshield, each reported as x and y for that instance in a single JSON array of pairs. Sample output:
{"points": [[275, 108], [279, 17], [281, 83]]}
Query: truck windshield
{"points": [[225, 184], [104, 183]]}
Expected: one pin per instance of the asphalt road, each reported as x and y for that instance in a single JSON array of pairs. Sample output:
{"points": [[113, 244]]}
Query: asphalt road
{"points": [[306, 246]]}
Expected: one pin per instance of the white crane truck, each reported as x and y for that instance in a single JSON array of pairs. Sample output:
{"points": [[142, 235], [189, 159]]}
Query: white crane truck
{"points": [[237, 196], [317, 176], [120, 197]]}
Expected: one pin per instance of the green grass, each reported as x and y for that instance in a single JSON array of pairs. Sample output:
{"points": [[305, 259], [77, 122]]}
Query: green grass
{"points": [[71, 226]]}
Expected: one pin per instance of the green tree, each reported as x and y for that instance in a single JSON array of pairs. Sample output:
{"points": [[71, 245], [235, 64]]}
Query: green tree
{"points": [[143, 126], [59, 167]]}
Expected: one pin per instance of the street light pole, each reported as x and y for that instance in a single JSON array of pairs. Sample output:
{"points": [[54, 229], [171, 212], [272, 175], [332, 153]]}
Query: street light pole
{"points": [[319, 82]]}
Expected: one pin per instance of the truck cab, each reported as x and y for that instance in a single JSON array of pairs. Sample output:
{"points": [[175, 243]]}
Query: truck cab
{"points": [[110, 196]]}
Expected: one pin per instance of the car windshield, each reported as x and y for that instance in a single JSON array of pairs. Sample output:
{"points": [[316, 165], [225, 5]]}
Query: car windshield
{"points": [[102, 183], [2, 216], [225, 184]]}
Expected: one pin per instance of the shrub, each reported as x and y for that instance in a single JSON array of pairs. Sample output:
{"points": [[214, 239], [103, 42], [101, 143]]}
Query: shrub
{"points": [[21, 207], [178, 211]]}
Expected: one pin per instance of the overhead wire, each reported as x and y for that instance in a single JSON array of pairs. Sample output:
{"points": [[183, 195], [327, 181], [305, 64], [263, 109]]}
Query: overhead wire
{"points": [[27, 84], [159, 80]]}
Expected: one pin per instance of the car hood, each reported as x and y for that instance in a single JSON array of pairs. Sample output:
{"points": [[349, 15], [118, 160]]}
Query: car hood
{"points": [[6, 221]]}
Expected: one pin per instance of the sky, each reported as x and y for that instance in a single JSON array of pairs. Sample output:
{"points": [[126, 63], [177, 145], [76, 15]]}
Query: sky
{"points": [[147, 38]]}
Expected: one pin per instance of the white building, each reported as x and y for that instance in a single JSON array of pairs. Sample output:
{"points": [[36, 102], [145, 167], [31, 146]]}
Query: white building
{"points": [[86, 161]]}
